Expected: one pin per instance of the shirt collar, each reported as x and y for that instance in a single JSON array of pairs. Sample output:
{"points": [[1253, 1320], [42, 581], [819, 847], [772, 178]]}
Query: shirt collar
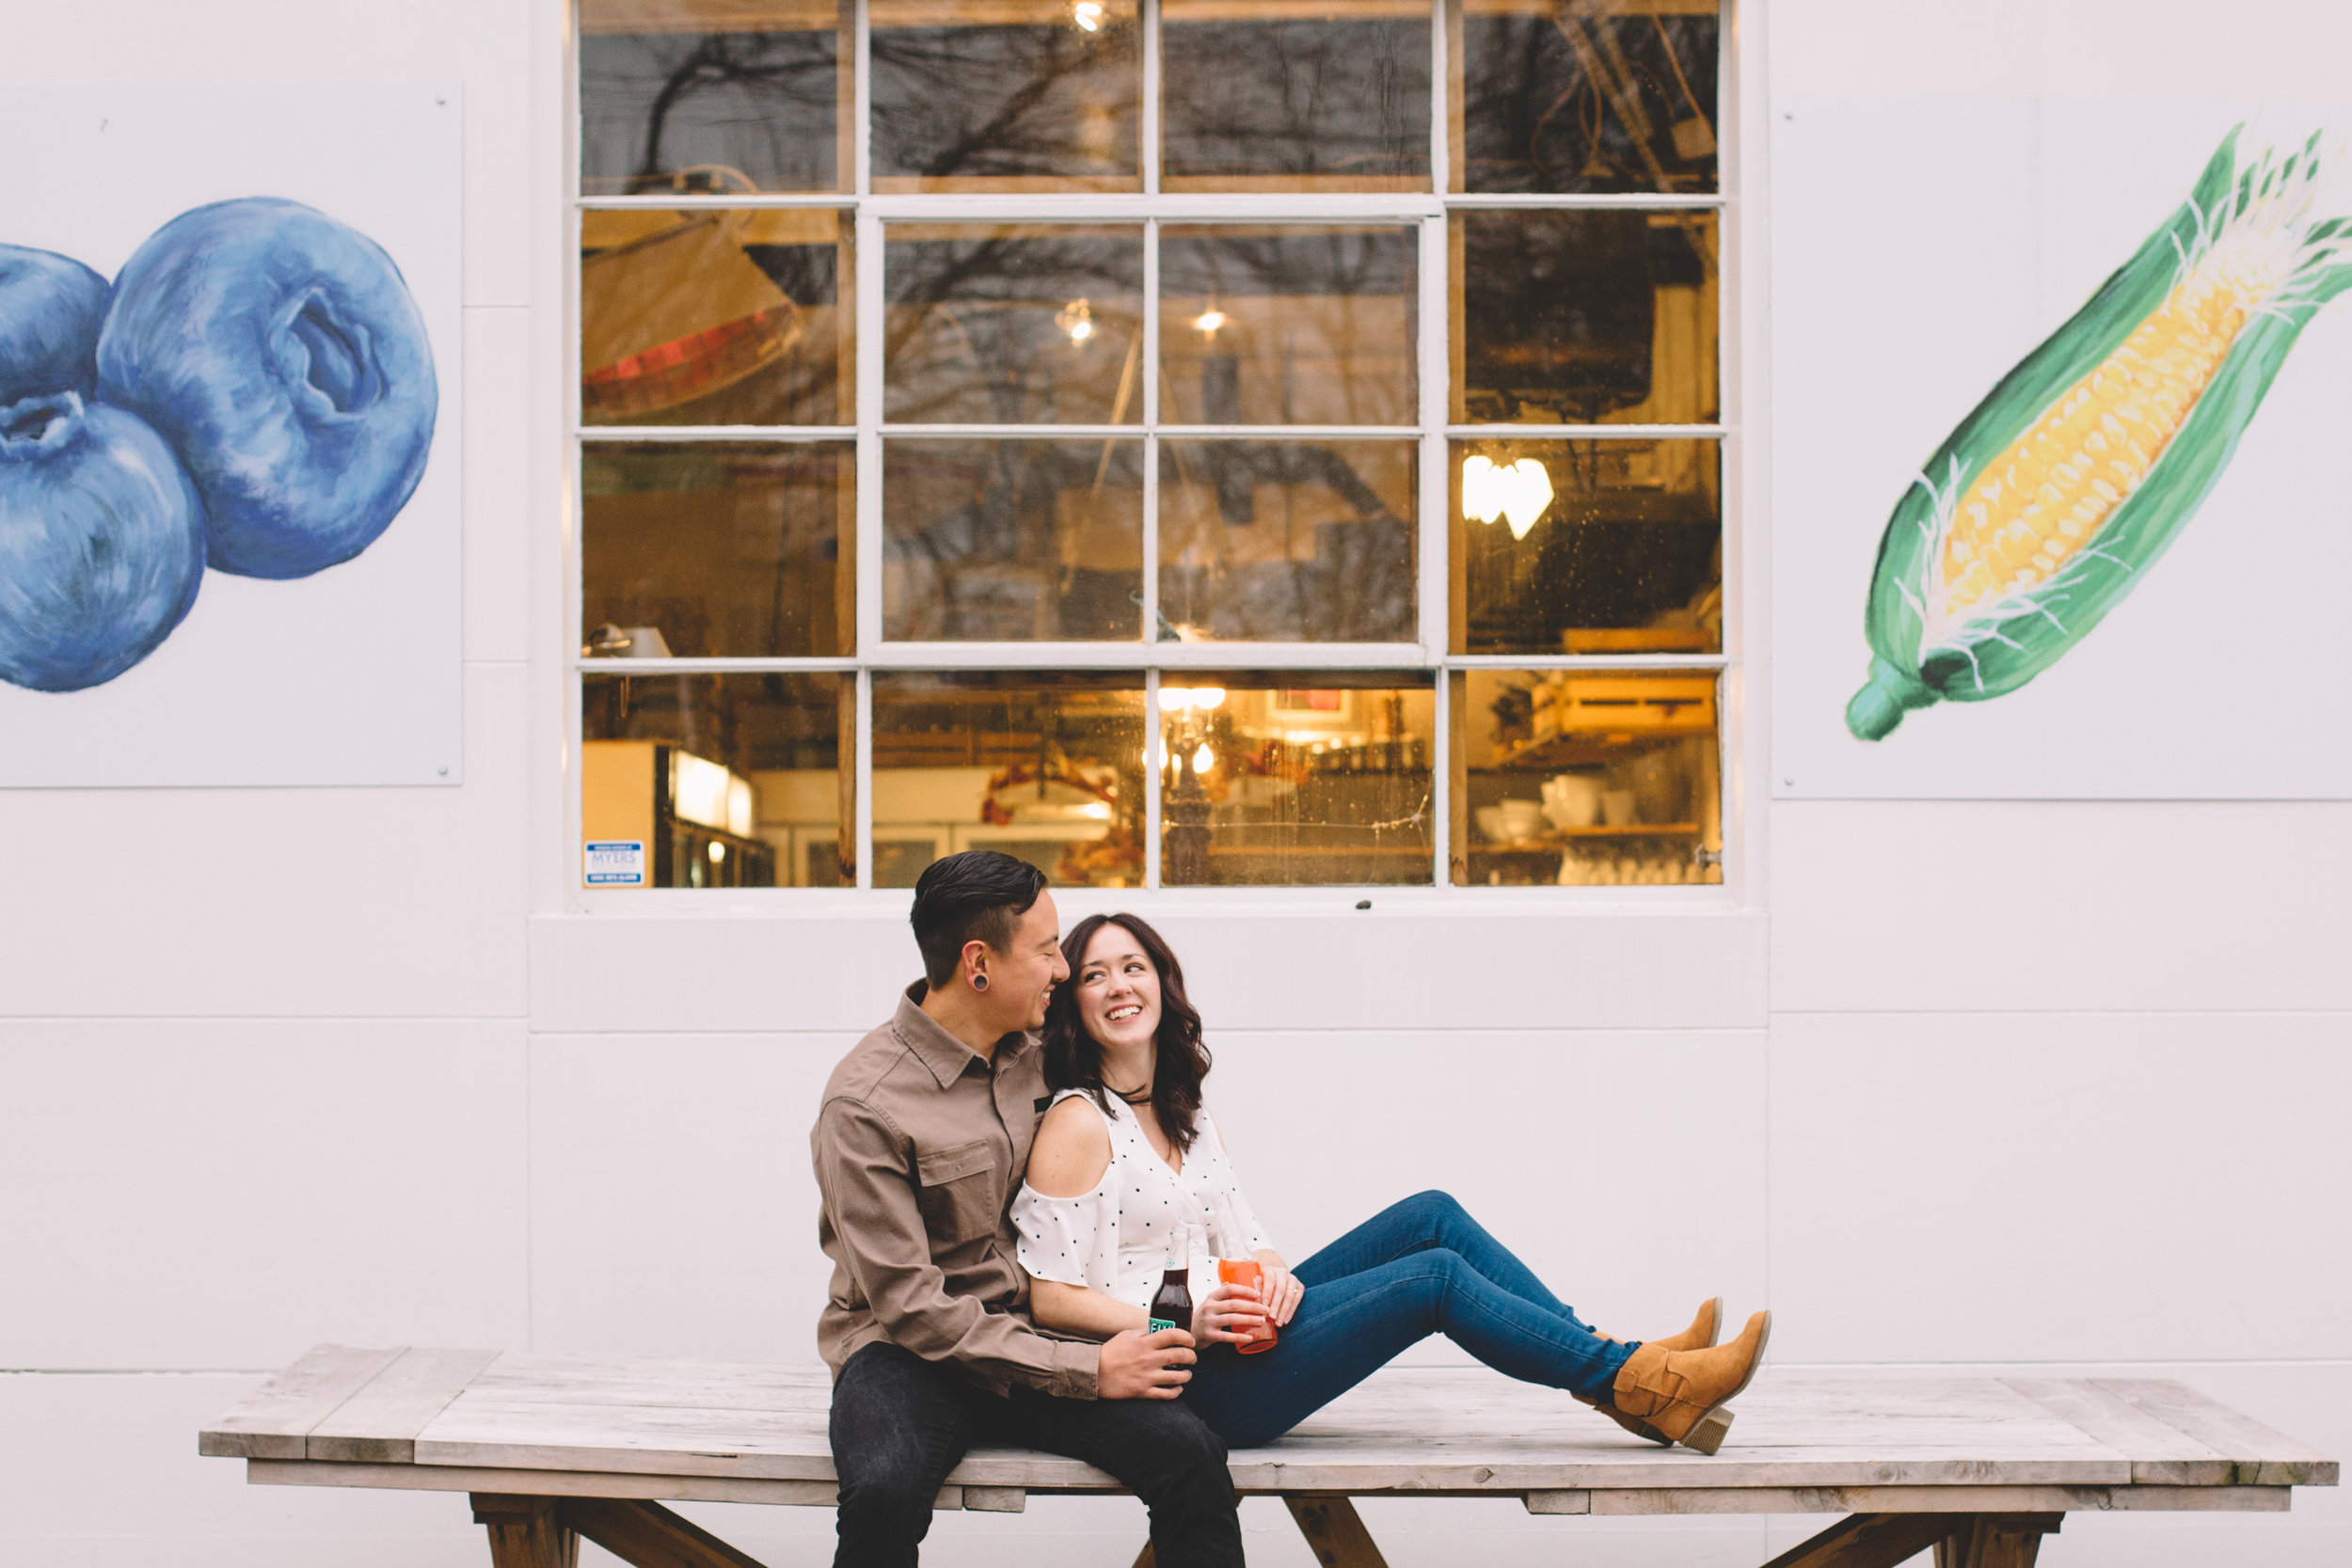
{"points": [[947, 1057]]}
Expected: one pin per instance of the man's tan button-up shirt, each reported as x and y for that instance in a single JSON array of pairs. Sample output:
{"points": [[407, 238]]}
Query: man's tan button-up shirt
{"points": [[918, 1149]]}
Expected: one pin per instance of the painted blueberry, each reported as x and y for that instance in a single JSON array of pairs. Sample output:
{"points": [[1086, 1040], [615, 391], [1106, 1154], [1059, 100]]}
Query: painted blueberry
{"points": [[50, 309], [102, 542], [280, 354]]}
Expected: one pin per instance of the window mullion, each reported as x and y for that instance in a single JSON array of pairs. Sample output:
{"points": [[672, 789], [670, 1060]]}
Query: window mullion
{"points": [[1152, 778], [864, 763], [863, 138], [870, 452], [1435, 499], [1148, 126]]}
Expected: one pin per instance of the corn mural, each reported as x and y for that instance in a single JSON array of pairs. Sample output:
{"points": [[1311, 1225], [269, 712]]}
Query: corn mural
{"points": [[2037, 515]]}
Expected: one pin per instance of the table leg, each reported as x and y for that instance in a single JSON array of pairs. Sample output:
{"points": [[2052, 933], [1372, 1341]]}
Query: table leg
{"points": [[526, 1532], [1332, 1529], [1996, 1541]]}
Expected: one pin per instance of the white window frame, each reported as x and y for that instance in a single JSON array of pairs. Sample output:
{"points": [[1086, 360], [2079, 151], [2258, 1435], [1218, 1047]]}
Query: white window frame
{"points": [[1426, 657]]}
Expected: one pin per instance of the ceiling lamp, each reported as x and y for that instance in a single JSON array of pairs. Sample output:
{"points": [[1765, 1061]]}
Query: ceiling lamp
{"points": [[1517, 492]]}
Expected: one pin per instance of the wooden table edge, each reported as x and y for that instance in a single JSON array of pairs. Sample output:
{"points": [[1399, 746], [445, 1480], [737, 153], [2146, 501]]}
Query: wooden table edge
{"points": [[1635, 1501]]}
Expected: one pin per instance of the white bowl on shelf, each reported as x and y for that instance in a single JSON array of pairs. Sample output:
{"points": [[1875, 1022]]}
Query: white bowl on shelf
{"points": [[1490, 826], [1521, 818]]}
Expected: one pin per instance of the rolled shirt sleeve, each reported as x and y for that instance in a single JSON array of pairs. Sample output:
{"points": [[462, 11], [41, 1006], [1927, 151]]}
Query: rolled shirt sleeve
{"points": [[866, 1175]]}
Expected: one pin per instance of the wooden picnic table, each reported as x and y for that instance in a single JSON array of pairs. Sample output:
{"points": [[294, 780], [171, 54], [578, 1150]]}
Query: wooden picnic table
{"points": [[553, 1448]]}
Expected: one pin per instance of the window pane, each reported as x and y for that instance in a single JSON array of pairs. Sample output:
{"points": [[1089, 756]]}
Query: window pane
{"points": [[1586, 317], [1602, 95], [1303, 325], [1585, 779], [715, 317], [1287, 541], [1014, 324], [723, 781], [718, 549], [1587, 547], [1047, 767], [1296, 778], [1012, 541], [1329, 97], [714, 95], [1006, 95]]}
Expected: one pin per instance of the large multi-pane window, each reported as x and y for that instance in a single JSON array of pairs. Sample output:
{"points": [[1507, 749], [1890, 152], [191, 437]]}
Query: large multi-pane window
{"points": [[1183, 444]]}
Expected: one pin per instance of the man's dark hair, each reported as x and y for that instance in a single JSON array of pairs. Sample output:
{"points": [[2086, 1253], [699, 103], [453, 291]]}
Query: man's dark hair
{"points": [[978, 894]]}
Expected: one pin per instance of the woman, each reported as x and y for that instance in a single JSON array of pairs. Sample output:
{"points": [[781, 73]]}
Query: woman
{"points": [[1128, 1174]]}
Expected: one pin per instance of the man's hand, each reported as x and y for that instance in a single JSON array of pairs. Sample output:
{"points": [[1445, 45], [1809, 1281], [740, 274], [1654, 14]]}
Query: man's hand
{"points": [[1140, 1366]]}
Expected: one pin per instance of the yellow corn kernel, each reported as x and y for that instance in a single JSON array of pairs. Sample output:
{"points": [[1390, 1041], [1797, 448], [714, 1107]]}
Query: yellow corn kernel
{"points": [[2042, 500]]}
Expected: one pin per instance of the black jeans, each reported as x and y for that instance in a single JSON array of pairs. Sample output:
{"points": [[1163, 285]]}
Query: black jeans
{"points": [[900, 1423]]}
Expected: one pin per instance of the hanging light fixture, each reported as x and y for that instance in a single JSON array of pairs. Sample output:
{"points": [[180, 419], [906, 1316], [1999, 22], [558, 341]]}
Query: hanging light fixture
{"points": [[1208, 320], [1517, 492], [1088, 14]]}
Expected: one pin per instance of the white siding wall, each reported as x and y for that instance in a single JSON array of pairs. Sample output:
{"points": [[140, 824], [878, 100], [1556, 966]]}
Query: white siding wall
{"points": [[1971, 1086]]}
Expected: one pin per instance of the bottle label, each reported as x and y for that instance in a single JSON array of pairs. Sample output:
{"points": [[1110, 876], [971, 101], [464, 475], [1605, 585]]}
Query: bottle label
{"points": [[1153, 1325]]}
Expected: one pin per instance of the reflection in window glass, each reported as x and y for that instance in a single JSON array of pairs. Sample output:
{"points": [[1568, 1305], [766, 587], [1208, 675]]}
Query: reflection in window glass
{"points": [[1585, 778], [725, 780], [1283, 98], [1297, 325], [714, 95], [1003, 95], [718, 549], [1296, 778], [1047, 767], [1586, 317], [1587, 547], [1600, 95], [1012, 541], [1287, 540], [1014, 324], [715, 316]]}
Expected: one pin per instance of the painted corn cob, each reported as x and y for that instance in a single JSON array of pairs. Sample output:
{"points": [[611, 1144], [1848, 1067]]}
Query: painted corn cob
{"points": [[2037, 515]]}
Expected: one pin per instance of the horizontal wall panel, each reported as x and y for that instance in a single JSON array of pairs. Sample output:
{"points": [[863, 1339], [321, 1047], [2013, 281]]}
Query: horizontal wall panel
{"points": [[103, 1472], [216, 1194], [674, 1212], [1322, 966], [2000, 906], [389, 903], [2055, 1187]]}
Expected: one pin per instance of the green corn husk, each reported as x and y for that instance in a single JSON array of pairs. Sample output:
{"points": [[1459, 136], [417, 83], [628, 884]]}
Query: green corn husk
{"points": [[2022, 635]]}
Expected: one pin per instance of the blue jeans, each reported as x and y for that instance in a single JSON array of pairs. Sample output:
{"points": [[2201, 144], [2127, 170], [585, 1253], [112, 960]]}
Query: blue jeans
{"points": [[1419, 1267]]}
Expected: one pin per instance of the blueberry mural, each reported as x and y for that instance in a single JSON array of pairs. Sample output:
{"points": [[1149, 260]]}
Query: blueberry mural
{"points": [[255, 393]]}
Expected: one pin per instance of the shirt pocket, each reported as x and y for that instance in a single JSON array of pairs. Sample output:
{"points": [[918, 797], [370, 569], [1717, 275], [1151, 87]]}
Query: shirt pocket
{"points": [[958, 1191]]}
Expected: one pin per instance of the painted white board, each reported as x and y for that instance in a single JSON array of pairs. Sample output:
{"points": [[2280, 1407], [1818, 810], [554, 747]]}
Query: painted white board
{"points": [[350, 676], [1921, 247]]}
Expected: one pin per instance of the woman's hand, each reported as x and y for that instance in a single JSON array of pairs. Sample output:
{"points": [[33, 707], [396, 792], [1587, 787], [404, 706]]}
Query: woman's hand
{"points": [[1283, 1292], [1227, 1314]]}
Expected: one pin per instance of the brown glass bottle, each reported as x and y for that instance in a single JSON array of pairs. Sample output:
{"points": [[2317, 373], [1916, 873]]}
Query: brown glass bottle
{"points": [[1171, 1303]]}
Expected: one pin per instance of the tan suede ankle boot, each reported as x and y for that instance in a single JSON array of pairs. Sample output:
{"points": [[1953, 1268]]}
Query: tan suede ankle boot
{"points": [[1683, 1394], [1699, 1335]]}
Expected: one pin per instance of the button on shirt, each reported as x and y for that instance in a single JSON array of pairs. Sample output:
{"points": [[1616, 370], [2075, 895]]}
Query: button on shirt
{"points": [[918, 1148]]}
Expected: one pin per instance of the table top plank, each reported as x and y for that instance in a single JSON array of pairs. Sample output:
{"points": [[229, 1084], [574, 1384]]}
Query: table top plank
{"points": [[2260, 1457], [275, 1420], [2161, 1454], [1438, 1430], [379, 1423]]}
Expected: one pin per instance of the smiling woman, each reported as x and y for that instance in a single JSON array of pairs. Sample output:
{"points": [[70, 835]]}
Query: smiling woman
{"points": [[1129, 1183]]}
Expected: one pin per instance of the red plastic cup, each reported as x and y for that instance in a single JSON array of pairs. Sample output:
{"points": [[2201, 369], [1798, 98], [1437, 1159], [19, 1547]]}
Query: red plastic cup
{"points": [[1247, 1271]]}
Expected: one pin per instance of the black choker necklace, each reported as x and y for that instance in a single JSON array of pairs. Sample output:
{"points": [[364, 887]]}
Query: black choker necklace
{"points": [[1141, 1096]]}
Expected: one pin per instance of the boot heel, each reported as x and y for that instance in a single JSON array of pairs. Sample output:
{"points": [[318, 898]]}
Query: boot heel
{"points": [[1707, 1432]]}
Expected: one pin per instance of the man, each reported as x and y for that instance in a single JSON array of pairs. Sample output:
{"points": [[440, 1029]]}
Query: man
{"points": [[919, 1149]]}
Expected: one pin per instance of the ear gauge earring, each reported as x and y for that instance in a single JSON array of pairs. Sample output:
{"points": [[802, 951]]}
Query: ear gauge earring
{"points": [[980, 982]]}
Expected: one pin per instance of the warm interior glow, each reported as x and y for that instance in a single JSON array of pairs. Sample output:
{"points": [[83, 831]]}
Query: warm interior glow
{"points": [[1204, 759], [1176, 698], [1088, 14], [1517, 493], [718, 851], [1209, 320], [1076, 319]]}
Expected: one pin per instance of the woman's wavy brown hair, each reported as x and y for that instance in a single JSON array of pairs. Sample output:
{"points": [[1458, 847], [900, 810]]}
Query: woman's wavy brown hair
{"points": [[1074, 1061]]}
